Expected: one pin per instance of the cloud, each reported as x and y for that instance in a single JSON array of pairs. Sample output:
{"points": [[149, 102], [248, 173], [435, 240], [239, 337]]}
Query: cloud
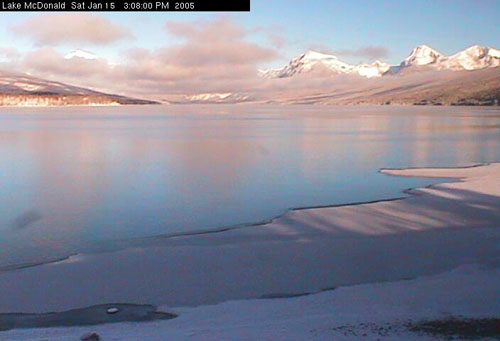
{"points": [[271, 33], [211, 55], [371, 52], [56, 28], [218, 41], [276, 39], [49, 62], [9, 53]]}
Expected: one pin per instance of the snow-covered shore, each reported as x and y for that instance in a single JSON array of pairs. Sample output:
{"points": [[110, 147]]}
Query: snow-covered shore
{"points": [[432, 237], [370, 312]]}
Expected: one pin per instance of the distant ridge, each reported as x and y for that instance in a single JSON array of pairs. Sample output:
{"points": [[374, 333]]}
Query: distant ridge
{"points": [[24, 90], [475, 57], [312, 60]]}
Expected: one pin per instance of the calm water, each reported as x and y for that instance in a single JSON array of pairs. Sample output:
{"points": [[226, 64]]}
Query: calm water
{"points": [[73, 179]]}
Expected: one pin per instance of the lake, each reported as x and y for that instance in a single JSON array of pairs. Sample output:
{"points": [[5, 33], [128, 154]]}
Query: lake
{"points": [[82, 179]]}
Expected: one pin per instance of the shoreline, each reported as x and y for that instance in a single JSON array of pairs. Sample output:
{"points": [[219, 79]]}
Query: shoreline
{"points": [[385, 311], [287, 244], [139, 241], [398, 105]]}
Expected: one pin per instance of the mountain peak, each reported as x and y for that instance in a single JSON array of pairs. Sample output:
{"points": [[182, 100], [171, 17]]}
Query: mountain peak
{"points": [[422, 55], [321, 62], [479, 51], [476, 50], [424, 47], [472, 58], [315, 55], [80, 54]]}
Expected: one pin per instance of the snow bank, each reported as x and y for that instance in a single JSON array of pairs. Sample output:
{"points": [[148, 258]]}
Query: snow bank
{"points": [[372, 311]]}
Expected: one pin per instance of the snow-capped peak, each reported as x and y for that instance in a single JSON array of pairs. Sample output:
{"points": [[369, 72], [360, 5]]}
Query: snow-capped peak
{"points": [[313, 60], [422, 55], [472, 58], [476, 50], [80, 54], [307, 62], [314, 56]]}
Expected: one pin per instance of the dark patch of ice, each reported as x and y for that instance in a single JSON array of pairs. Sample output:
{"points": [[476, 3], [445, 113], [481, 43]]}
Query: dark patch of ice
{"points": [[84, 316]]}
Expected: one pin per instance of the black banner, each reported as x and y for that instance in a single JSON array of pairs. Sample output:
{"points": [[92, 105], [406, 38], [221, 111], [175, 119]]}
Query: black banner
{"points": [[125, 6]]}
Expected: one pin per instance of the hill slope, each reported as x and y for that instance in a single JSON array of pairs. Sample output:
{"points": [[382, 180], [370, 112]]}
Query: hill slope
{"points": [[426, 87], [23, 90]]}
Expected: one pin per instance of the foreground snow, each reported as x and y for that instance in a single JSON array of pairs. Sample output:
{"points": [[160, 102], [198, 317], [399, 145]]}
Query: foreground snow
{"points": [[434, 230], [374, 311]]}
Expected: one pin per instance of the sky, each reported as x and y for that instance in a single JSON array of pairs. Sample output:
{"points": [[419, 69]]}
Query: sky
{"points": [[270, 34]]}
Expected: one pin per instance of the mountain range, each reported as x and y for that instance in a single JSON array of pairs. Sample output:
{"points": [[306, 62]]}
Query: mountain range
{"points": [[426, 77], [473, 58], [312, 61]]}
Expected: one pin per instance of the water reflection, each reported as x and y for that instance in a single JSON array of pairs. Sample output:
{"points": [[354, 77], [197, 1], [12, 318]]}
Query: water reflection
{"points": [[100, 174]]}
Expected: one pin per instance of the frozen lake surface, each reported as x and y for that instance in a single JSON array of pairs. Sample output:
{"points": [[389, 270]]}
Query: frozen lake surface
{"points": [[86, 179]]}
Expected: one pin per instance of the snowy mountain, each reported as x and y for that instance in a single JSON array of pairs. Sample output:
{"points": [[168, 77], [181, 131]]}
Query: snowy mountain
{"points": [[421, 55], [226, 97], [473, 58], [89, 56], [312, 60], [80, 54], [305, 63]]}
